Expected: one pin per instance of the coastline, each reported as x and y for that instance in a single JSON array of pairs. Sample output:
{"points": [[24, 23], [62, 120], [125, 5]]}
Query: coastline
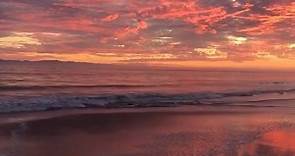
{"points": [[27, 116]]}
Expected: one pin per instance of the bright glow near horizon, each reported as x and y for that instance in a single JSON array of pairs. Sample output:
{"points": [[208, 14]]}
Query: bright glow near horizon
{"points": [[170, 32]]}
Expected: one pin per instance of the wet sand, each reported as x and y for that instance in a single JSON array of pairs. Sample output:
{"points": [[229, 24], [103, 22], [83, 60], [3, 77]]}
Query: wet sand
{"points": [[180, 131]]}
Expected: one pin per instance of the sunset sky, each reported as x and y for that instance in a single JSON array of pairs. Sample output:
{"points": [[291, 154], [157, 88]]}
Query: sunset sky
{"points": [[214, 33]]}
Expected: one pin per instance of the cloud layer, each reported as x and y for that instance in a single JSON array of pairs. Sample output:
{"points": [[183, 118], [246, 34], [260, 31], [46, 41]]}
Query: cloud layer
{"points": [[154, 30]]}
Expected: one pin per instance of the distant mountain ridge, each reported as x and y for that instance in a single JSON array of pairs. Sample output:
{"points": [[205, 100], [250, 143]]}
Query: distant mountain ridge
{"points": [[73, 63], [42, 61], [131, 66]]}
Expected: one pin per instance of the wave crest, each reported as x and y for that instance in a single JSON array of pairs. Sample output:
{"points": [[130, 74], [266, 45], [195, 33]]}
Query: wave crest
{"points": [[143, 100]]}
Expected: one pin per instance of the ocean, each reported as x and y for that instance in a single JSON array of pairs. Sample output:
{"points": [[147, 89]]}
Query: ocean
{"points": [[48, 85]]}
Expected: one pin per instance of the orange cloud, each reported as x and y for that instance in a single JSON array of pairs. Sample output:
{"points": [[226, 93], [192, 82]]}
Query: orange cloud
{"points": [[110, 18], [269, 23]]}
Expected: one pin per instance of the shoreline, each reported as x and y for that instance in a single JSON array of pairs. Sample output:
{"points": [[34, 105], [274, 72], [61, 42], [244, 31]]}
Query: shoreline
{"points": [[176, 131], [27, 116]]}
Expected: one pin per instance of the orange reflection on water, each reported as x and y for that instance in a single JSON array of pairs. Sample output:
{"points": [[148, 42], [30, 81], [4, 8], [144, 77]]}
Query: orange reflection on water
{"points": [[274, 143], [281, 139]]}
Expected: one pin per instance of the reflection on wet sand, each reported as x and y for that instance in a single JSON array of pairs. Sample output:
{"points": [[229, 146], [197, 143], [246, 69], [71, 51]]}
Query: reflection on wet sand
{"points": [[274, 143], [225, 132]]}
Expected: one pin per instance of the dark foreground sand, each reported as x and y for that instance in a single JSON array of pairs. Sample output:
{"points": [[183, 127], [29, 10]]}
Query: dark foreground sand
{"points": [[182, 131]]}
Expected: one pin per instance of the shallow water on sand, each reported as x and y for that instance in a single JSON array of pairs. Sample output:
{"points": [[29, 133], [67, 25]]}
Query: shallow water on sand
{"points": [[191, 131]]}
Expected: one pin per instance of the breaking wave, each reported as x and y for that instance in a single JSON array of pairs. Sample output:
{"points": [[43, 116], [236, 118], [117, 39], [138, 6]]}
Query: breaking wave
{"points": [[43, 103]]}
